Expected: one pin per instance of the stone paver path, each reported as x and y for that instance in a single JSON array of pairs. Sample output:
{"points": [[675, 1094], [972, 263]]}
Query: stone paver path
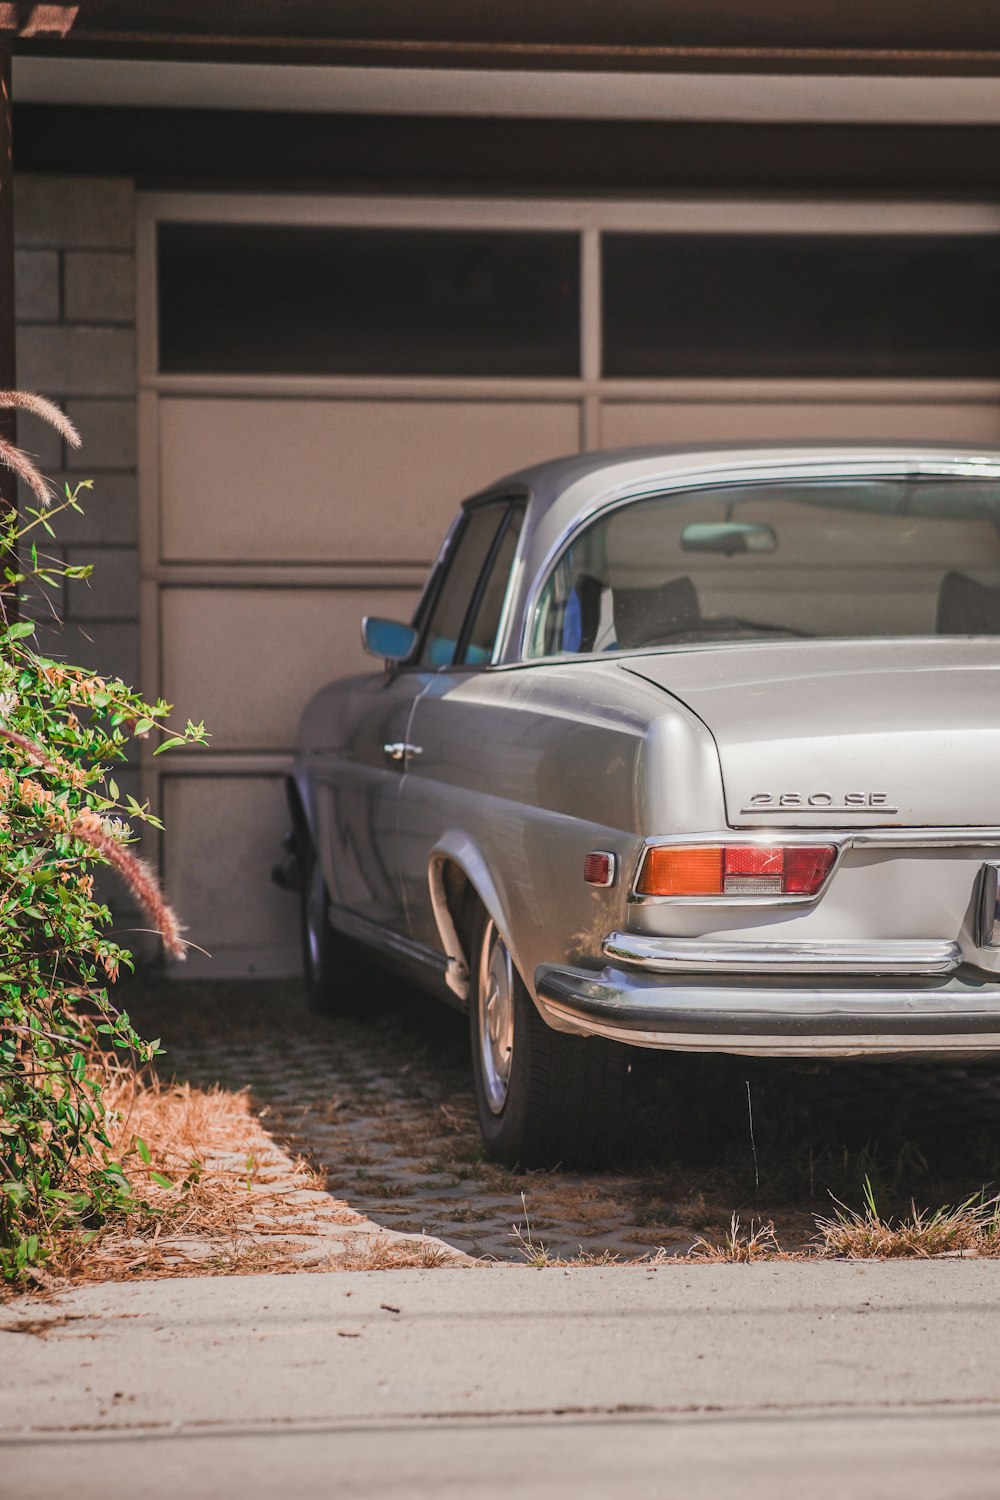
{"points": [[383, 1105]]}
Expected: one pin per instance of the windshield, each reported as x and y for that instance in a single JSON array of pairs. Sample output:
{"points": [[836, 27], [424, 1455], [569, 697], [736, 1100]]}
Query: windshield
{"points": [[809, 558]]}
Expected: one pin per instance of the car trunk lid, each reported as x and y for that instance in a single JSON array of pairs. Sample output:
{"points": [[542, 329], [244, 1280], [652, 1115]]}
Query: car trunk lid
{"points": [[846, 733]]}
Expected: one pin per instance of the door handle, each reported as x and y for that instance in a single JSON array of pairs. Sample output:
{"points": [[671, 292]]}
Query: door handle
{"points": [[399, 751]]}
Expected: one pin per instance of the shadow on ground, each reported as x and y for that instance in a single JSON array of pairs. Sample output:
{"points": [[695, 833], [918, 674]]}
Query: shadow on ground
{"points": [[382, 1103]]}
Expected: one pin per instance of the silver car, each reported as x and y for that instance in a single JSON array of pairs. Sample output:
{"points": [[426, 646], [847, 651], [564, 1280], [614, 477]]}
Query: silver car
{"points": [[691, 749]]}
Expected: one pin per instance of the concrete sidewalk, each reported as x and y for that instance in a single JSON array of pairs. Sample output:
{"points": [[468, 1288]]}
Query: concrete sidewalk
{"points": [[765, 1380]]}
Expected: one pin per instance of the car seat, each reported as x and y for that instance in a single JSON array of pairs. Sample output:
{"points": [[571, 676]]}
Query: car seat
{"points": [[967, 607]]}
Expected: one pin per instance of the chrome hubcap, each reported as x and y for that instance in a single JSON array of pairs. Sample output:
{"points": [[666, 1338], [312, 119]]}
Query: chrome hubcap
{"points": [[496, 1017]]}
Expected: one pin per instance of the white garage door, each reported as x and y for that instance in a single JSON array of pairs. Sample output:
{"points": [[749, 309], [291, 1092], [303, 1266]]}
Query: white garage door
{"points": [[324, 380]]}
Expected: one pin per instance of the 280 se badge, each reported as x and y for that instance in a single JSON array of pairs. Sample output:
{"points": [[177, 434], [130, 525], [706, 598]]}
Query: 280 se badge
{"points": [[850, 802]]}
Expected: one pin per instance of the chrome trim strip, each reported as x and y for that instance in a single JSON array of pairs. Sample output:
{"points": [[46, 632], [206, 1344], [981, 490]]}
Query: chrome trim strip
{"points": [[933, 838], [775, 1020], [382, 939], [698, 955]]}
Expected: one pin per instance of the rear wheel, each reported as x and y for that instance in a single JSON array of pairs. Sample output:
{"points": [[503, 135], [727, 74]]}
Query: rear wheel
{"points": [[331, 967], [543, 1098]]}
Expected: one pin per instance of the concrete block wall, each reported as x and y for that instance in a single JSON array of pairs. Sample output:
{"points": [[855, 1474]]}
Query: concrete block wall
{"points": [[75, 279], [75, 310]]}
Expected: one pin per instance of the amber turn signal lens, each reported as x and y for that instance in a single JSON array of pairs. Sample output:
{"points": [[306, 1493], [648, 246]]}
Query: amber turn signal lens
{"points": [[736, 870], [681, 872]]}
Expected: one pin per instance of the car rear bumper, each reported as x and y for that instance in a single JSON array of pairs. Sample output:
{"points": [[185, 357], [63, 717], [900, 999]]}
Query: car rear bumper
{"points": [[909, 957], [775, 1017]]}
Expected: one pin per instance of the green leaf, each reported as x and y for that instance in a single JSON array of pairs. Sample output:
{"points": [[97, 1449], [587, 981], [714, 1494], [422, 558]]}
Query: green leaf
{"points": [[161, 1181], [143, 1149]]}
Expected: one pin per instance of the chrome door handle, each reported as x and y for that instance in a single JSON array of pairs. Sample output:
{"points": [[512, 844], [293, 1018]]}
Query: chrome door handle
{"points": [[399, 750]]}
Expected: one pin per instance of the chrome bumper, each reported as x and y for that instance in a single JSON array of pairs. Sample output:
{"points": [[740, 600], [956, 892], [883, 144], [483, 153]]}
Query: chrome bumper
{"points": [[775, 1017], [709, 956]]}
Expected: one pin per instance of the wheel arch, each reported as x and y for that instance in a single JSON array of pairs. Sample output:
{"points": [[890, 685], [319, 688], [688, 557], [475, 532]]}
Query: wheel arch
{"points": [[457, 867], [301, 805]]}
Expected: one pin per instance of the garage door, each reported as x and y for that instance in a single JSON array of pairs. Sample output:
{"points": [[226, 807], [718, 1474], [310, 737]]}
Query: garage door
{"points": [[324, 380]]}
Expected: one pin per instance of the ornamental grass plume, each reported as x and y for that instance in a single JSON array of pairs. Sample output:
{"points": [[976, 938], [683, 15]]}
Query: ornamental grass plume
{"points": [[63, 729], [136, 874], [15, 459]]}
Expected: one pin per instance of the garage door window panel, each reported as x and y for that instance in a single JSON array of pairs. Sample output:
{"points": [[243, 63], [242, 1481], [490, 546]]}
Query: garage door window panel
{"points": [[273, 299], [802, 305]]}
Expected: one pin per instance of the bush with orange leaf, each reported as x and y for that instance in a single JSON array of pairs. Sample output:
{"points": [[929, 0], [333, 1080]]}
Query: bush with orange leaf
{"points": [[62, 731]]}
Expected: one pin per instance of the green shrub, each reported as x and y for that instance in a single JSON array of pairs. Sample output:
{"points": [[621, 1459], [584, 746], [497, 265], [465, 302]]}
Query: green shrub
{"points": [[62, 731]]}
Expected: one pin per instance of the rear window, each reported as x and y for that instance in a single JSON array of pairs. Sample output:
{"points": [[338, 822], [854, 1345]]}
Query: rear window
{"points": [[846, 558]]}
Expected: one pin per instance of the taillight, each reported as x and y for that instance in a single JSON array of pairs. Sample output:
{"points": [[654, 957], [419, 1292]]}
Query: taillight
{"points": [[735, 870]]}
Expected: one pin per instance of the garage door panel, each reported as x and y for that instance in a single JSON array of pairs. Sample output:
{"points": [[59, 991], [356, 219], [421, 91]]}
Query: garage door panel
{"points": [[624, 423], [225, 834], [246, 660], [337, 481]]}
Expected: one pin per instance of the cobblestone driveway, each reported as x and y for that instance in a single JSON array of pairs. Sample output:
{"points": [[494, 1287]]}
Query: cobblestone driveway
{"points": [[383, 1105]]}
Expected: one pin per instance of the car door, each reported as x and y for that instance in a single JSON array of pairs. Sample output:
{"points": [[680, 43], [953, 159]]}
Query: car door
{"points": [[357, 787], [446, 763], [359, 794]]}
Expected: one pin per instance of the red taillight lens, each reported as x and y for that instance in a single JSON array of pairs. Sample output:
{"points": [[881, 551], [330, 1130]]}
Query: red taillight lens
{"points": [[735, 870], [806, 869], [599, 868], [751, 871]]}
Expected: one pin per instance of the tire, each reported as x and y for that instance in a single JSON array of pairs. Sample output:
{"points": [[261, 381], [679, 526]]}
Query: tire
{"points": [[544, 1099], [332, 972]]}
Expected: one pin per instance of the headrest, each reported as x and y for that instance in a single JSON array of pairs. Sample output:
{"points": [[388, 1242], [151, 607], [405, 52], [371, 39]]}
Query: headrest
{"points": [[644, 617], [966, 607]]}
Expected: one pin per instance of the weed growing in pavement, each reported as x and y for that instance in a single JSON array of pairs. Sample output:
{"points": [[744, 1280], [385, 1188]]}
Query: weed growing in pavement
{"points": [[742, 1244], [972, 1227], [534, 1254]]}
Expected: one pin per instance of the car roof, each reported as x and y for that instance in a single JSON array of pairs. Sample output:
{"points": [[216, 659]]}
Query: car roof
{"points": [[546, 482]]}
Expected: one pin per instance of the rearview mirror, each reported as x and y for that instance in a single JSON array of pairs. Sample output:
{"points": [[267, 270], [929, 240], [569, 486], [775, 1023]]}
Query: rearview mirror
{"points": [[728, 537], [387, 639]]}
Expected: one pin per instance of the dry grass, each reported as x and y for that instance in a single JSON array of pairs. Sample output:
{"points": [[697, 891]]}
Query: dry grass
{"points": [[971, 1228], [213, 1193], [741, 1244], [376, 1252]]}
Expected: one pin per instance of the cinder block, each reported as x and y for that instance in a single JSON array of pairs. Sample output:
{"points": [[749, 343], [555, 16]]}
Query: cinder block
{"points": [[76, 360], [110, 510], [95, 213], [112, 590], [39, 440], [99, 287], [36, 286], [108, 432]]}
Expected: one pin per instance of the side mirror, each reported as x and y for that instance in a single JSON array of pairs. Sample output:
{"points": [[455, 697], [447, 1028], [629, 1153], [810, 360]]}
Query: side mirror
{"points": [[728, 537], [387, 639]]}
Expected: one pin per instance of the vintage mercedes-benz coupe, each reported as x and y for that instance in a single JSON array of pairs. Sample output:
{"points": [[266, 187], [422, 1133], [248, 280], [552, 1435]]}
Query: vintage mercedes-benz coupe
{"points": [[684, 749]]}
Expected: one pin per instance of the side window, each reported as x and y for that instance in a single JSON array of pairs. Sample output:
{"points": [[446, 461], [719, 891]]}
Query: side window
{"points": [[482, 632], [462, 572]]}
